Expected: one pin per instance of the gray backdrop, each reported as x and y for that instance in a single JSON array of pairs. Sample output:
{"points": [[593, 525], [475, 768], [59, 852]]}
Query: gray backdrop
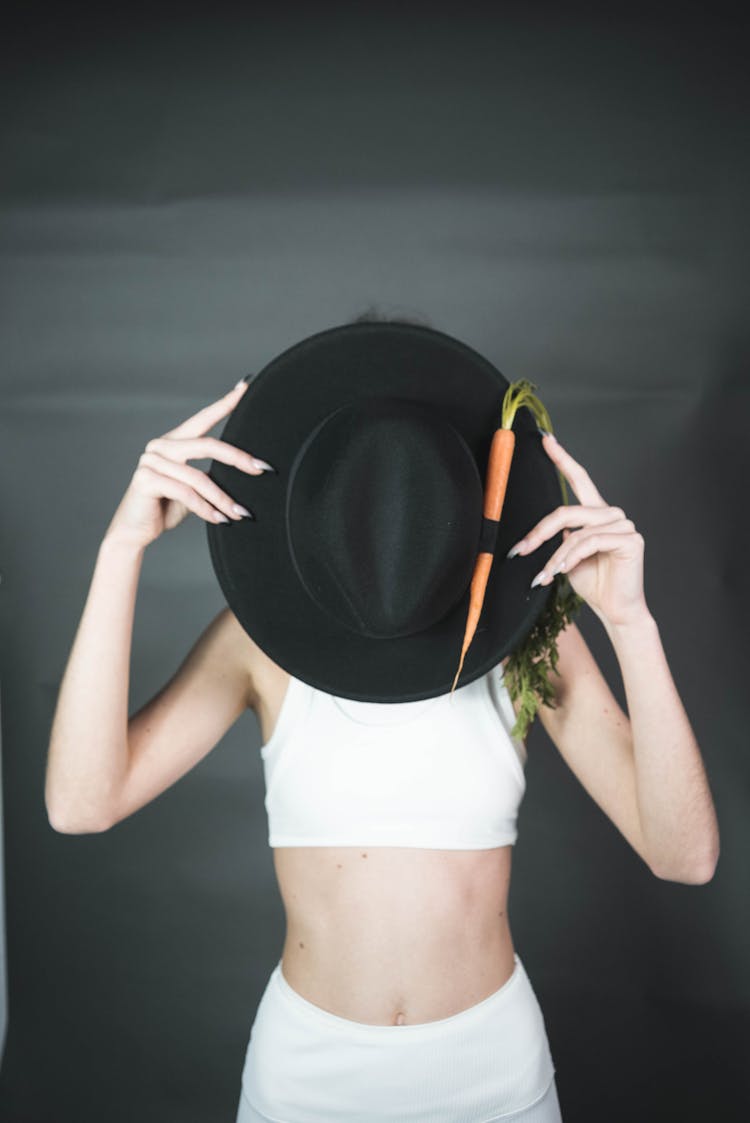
{"points": [[185, 195]]}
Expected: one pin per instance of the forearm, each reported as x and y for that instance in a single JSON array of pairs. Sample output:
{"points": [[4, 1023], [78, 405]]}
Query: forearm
{"points": [[677, 812], [88, 749]]}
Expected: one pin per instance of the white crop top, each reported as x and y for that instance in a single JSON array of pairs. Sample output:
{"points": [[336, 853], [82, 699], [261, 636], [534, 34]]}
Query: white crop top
{"points": [[442, 773]]}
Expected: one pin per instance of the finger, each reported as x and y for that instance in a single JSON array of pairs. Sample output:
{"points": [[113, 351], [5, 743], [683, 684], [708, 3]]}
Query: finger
{"points": [[195, 479], [207, 417], [201, 448], [160, 486], [619, 526], [585, 545], [567, 515], [575, 474]]}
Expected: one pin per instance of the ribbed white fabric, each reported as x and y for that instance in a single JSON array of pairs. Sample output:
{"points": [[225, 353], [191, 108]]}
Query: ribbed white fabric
{"points": [[304, 1064], [441, 773]]}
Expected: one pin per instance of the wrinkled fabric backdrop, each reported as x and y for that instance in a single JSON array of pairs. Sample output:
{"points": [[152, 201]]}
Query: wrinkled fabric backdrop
{"points": [[185, 195]]}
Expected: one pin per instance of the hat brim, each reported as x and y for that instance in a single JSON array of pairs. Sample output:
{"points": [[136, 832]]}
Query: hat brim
{"points": [[251, 558]]}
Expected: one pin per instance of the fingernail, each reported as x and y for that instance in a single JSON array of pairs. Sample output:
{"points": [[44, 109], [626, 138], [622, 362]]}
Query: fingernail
{"points": [[538, 579], [262, 464], [243, 381], [240, 510], [514, 550]]}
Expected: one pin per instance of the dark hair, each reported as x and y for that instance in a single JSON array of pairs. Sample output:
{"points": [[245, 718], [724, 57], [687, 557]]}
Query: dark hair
{"points": [[373, 315]]}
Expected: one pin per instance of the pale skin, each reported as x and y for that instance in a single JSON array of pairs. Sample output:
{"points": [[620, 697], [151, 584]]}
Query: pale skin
{"points": [[381, 935]]}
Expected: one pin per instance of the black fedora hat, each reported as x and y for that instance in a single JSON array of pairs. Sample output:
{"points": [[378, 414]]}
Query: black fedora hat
{"points": [[354, 574]]}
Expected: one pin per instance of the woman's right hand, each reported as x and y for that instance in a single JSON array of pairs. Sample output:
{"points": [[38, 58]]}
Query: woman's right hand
{"points": [[164, 488]]}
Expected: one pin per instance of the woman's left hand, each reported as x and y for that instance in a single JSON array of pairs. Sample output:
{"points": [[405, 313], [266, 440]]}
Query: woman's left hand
{"points": [[604, 558]]}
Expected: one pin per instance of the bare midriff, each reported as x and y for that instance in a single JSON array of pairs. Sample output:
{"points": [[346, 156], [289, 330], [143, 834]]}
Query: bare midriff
{"points": [[390, 935], [395, 935]]}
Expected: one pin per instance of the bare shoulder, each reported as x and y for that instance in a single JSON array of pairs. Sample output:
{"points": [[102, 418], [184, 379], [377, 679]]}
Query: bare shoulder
{"points": [[580, 690], [248, 661]]}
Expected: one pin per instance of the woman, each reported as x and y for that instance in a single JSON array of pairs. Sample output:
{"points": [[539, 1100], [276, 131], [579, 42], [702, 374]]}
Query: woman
{"points": [[399, 993]]}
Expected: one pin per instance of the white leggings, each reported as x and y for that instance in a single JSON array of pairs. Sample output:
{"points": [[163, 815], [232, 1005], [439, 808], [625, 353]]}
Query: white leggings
{"points": [[545, 1110], [490, 1062]]}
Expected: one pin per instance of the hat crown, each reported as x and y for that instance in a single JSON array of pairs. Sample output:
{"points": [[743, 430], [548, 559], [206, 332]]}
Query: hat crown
{"points": [[383, 515]]}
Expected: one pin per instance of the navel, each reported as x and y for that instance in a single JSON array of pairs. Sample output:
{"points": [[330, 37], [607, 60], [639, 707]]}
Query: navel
{"points": [[400, 1019]]}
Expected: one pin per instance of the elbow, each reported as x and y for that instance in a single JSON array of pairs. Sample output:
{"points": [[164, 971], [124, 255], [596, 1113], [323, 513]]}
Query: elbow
{"points": [[68, 824], [699, 873]]}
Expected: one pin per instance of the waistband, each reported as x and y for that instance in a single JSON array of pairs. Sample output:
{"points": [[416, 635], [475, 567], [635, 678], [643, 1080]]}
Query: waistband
{"points": [[305, 1064], [463, 1019]]}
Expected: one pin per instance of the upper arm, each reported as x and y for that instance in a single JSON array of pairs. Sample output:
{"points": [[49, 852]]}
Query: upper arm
{"points": [[593, 735], [187, 718]]}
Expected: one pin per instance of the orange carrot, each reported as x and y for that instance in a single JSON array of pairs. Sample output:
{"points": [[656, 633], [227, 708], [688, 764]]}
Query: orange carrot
{"points": [[496, 483], [520, 393]]}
